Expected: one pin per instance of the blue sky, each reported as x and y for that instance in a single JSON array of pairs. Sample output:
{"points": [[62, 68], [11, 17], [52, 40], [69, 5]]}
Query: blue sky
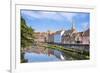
{"points": [[42, 21]]}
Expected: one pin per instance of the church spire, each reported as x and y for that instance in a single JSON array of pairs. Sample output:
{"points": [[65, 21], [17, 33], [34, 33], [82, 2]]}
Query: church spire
{"points": [[73, 25]]}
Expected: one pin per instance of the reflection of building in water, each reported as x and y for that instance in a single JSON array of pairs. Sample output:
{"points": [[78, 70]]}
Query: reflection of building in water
{"points": [[70, 36], [56, 53]]}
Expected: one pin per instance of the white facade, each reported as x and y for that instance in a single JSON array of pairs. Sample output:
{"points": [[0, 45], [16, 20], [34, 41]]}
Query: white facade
{"points": [[58, 37]]}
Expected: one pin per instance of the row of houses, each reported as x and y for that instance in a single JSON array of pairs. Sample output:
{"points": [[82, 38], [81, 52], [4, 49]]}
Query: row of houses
{"points": [[40, 36], [70, 36]]}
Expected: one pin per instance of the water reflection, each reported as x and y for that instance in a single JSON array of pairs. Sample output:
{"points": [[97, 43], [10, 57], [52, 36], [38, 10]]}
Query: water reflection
{"points": [[38, 53], [35, 57], [42, 54]]}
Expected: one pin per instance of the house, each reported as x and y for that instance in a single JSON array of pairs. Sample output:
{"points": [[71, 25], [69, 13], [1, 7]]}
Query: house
{"points": [[76, 37], [71, 36], [85, 37], [65, 36], [50, 36], [58, 36], [40, 36]]}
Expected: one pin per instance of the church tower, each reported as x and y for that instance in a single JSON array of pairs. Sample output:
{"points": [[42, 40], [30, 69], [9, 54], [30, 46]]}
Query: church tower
{"points": [[73, 26]]}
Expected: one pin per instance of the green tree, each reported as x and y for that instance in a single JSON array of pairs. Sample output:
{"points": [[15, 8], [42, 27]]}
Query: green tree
{"points": [[27, 38], [27, 34]]}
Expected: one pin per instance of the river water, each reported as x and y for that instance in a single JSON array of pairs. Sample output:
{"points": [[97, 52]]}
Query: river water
{"points": [[34, 57], [41, 54]]}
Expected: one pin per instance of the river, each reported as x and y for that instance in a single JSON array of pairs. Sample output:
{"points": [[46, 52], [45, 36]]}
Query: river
{"points": [[42, 54]]}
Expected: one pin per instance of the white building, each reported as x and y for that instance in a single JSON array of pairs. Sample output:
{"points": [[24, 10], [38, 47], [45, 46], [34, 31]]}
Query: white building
{"points": [[58, 36]]}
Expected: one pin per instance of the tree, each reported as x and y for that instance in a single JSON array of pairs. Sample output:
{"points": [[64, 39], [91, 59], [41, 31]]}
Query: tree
{"points": [[27, 34]]}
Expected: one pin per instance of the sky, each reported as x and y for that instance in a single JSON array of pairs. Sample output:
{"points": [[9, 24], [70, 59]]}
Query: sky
{"points": [[42, 21]]}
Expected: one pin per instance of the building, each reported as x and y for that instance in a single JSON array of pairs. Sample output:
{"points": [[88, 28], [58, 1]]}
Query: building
{"points": [[58, 36], [40, 36], [71, 36], [85, 37], [50, 36], [76, 37], [65, 36]]}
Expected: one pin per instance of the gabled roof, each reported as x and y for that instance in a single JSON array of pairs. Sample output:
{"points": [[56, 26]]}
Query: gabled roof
{"points": [[85, 33]]}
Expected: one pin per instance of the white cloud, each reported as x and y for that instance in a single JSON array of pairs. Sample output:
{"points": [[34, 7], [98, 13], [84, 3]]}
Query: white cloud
{"points": [[29, 13], [52, 15], [68, 16], [42, 15]]}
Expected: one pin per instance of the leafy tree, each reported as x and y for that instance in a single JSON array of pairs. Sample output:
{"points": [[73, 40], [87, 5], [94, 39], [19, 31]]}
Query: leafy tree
{"points": [[27, 38], [27, 34]]}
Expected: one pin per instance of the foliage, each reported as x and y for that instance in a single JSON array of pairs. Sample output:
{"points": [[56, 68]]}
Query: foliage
{"points": [[23, 60], [27, 34], [27, 38]]}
